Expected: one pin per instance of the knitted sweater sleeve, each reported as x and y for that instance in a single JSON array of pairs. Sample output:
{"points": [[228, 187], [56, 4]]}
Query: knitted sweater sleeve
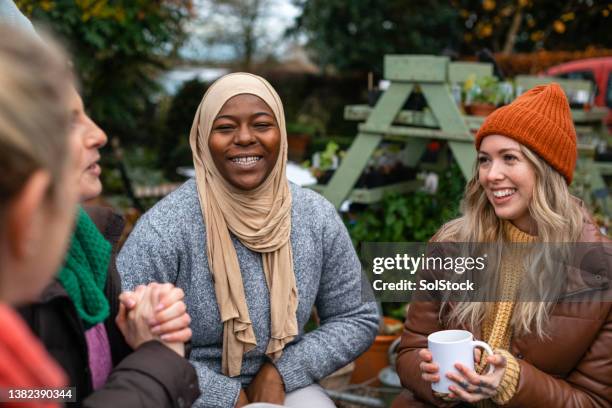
{"points": [[147, 256], [348, 322], [509, 382]]}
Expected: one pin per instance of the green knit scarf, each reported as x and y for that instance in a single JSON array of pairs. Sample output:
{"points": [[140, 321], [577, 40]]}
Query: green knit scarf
{"points": [[84, 273]]}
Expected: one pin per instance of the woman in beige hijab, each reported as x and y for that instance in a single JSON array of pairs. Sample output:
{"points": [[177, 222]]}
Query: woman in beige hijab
{"points": [[253, 254]]}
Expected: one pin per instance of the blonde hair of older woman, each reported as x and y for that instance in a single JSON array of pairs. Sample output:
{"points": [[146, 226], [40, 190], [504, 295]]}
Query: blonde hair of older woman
{"points": [[558, 219]]}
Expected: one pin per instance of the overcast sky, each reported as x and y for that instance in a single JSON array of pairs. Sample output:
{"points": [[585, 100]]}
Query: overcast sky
{"points": [[278, 17]]}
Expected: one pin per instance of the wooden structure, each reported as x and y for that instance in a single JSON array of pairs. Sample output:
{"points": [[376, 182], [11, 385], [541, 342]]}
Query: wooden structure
{"points": [[443, 120]]}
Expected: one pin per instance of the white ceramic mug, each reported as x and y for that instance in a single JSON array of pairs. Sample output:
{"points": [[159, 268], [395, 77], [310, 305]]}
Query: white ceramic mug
{"points": [[449, 347]]}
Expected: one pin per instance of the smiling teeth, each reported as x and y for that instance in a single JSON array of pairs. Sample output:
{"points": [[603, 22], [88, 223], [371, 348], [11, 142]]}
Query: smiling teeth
{"points": [[245, 160], [504, 193]]}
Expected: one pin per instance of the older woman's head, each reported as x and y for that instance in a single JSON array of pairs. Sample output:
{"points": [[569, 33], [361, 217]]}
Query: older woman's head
{"points": [[92, 139], [38, 163]]}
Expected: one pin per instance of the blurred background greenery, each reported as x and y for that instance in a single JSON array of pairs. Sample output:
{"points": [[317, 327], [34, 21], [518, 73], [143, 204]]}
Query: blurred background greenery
{"points": [[144, 65]]}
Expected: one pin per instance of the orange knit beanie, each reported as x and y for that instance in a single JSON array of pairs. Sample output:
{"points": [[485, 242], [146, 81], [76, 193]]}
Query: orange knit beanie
{"points": [[541, 120]]}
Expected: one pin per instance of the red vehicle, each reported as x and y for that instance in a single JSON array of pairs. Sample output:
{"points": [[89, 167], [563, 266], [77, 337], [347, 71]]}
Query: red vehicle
{"points": [[596, 70]]}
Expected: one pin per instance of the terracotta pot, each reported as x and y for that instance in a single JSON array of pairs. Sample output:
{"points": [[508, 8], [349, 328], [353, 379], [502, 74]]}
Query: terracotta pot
{"points": [[297, 145], [370, 363], [481, 109]]}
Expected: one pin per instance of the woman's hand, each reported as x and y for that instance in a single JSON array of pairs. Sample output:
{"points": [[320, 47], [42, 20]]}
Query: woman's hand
{"points": [[135, 323], [170, 321], [472, 387], [242, 399], [267, 386], [430, 371]]}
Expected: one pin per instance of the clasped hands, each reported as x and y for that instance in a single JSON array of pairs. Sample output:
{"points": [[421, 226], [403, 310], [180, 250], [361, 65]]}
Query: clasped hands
{"points": [[470, 386], [267, 386], [154, 312]]}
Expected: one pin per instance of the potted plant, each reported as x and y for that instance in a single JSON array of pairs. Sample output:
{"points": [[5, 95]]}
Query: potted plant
{"points": [[482, 96], [326, 162], [376, 358], [298, 139]]}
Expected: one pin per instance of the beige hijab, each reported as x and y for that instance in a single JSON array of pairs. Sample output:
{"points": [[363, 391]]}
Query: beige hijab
{"points": [[260, 219]]}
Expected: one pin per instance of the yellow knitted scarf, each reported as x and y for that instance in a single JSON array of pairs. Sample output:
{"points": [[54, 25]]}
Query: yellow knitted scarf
{"points": [[497, 330]]}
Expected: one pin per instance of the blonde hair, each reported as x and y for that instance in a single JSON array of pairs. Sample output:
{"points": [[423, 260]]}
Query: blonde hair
{"points": [[34, 110], [558, 219]]}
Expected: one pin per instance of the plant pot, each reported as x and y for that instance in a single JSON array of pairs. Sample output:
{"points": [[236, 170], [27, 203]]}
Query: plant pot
{"points": [[375, 359], [324, 177], [297, 146], [480, 109]]}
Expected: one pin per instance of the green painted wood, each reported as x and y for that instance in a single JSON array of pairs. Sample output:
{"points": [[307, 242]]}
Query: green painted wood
{"points": [[373, 195], [459, 72], [383, 114], [389, 104], [405, 117], [474, 122], [350, 169], [419, 132], [413, 151], [465, 154], [451, 121], [595, 114], [408, 117], [444, 109], [416, 68], [570, 86], [605, 168]]}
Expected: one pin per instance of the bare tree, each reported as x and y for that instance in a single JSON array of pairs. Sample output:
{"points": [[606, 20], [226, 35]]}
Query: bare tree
{"points": [[236, 24]]}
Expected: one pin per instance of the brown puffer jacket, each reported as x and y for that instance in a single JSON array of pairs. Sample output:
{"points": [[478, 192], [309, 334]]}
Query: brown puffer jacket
{"points": [[572, 368]]}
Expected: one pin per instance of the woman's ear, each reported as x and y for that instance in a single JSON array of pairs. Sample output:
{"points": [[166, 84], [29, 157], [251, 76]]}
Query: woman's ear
{"points": [[25, 215]]}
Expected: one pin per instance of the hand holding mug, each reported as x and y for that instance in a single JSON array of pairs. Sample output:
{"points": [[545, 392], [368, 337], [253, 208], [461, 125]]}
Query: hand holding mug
{"points": [[472, 387], [430, 372], [449, 365]]}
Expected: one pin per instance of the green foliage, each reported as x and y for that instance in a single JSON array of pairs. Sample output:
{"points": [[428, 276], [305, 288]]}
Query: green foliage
{"points": [[484, 90], [395, 310], [355, 35], [300, 128], [117, 47], [413, 217], [548, 24], [174, 149], [328, 155]]}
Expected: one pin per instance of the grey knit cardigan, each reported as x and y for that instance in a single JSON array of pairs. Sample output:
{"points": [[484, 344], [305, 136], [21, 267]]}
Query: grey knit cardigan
{"points": [[169, 245]]}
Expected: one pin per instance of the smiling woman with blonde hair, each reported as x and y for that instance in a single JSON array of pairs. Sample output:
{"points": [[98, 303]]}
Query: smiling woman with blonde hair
{"points": [[551, 352], [253, 253]]}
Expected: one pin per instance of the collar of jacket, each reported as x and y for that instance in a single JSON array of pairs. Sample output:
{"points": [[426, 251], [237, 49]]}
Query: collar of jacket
{"points": [[110, 225], [108, 222]]}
